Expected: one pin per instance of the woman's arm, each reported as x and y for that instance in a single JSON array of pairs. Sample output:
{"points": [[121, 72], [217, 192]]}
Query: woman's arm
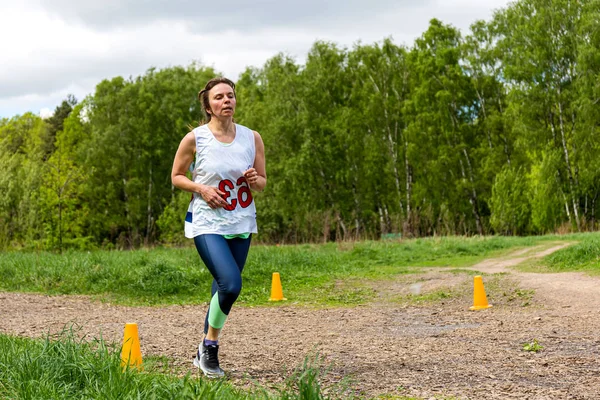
{"points": [[257, 175], [183, 159]]}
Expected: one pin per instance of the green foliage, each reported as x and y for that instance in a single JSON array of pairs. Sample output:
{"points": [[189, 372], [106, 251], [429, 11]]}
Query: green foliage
{"points": [[547, 210], [55, 124], [21, 158], [532, 347], [510, 203], [541, 42]]}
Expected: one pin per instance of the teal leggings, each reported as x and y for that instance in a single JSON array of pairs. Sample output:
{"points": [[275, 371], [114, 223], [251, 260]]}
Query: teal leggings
{"points": [[225, 259]]}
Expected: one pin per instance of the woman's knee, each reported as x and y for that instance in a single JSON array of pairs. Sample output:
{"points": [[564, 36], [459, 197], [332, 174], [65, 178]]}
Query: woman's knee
{"points": [[231, 290]]}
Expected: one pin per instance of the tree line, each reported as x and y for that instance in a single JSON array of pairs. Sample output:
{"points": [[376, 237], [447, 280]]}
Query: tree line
{"points": [[492, 132]]}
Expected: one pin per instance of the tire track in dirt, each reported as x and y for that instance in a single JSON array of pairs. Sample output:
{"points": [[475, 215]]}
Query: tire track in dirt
{"points": [[502, 264]]}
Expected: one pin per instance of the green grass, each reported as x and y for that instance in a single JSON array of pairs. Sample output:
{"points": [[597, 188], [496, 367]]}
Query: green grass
{"points": [[532, 346], [69, 367], [581, 256], [328, 274]]}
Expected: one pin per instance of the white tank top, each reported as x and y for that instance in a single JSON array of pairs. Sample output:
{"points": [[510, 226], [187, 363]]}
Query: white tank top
{"points": [[221, 165]]}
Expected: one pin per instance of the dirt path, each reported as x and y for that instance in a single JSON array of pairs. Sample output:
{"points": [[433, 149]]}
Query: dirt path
{"points": [[567, 289], [394, 348]]}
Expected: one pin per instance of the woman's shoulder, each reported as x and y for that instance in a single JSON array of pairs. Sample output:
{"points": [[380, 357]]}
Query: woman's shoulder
{"points": [[250, 133], [243, 127], [201, 130]]}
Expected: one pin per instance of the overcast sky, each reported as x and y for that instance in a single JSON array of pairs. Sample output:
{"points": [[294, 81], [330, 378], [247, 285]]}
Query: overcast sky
{"points": [[51, 48]]}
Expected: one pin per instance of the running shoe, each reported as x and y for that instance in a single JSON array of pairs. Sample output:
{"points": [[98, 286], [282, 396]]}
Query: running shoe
{"points": [[207, 359]]}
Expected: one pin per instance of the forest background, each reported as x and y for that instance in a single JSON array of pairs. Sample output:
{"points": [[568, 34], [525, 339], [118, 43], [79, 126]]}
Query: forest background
{"points": [[492, 132]]}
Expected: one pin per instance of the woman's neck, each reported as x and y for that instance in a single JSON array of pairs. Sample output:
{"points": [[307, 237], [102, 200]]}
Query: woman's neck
{"points": [[224, 127]]}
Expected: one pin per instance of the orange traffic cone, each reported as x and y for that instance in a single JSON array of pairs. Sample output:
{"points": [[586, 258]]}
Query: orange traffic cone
{"points": [[479, 298], [131, 354], [276, 289]]}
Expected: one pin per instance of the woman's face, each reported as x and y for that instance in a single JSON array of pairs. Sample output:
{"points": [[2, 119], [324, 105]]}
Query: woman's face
{"points": [[222, 100]]}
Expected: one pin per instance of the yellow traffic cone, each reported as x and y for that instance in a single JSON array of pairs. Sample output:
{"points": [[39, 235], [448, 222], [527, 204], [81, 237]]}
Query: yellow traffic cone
{"points": [[131, 354], [479, 298], [276, 289]]}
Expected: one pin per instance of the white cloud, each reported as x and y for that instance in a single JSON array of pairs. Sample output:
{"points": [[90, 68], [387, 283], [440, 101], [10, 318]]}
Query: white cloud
{"points": [[46, 113], [207, 18], [18, 105], [51, 48]]}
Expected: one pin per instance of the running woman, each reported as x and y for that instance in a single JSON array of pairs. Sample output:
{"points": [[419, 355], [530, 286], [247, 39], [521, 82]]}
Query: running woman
{"points": [[228, 164]]}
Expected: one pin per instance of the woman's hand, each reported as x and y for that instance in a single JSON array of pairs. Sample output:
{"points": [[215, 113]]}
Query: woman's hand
{"points": [[251, 176], [212, 196]]}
